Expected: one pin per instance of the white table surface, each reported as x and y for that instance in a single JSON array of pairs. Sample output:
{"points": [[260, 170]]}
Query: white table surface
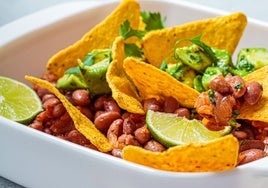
{"points": [[10, 10]]}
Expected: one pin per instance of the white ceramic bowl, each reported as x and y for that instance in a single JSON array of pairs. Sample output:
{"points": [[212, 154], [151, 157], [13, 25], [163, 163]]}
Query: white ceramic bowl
{"points": [[34, 159]]}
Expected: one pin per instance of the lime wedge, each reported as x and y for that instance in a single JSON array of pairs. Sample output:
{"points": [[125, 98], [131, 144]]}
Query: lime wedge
{"points": [[18, 102], [171, 130]]}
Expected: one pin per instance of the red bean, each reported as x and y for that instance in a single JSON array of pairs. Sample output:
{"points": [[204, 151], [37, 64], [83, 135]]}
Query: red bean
{"points": [[97, 113], [238, 85], [99, 102], [240, 134], [50, 103], [126, 115], [142, 135], [104, 120], [37, 125], [151, 104], [81, 97], [114, 131], [220, 84], [116, 127], [42, 116], [183, 112], [128, 126], [170, 104], [111, 105], [250, 144], [250, 155], [117, 152], [155, 146], [127, 139], [86, 111], [223, 110], [253, 93], [76, 137], [66, 117], [40, 91], [139, 119], [47, 96], [58, 110]]}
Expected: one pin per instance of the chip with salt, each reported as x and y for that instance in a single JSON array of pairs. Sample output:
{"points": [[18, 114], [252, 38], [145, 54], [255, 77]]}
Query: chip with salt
{"points": [[222, 32], [258, 112], [217, 155], [81, 122], [99, 37], [152, 82], [123, 90]]}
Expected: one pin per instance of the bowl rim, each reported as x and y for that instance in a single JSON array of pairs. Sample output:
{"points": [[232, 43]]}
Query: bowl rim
{"points": [[80, 7]]}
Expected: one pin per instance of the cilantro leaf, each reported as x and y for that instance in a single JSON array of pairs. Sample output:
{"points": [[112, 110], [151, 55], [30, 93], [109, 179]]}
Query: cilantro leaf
{"points": [[211, 94], [132, 49], [153, 21], [163, 66], [126, 31]]}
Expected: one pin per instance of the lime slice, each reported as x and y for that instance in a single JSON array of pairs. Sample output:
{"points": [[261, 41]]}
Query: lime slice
{"points": [[18, 102], [170, 129]]}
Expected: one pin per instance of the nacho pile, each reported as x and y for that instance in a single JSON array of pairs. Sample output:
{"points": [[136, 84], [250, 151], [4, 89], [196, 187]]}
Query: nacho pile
{"points": [[99, 37], [132, 80]]}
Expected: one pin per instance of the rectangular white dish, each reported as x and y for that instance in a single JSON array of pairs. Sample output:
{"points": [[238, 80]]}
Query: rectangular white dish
{"points": [[35, 159]]}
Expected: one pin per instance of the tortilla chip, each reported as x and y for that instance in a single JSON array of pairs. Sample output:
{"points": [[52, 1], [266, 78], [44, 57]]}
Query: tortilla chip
{"points": [[258, 112], [123, 90], [152, 82], [222, 32], [217, 155], [100, 37], [81, 122]]}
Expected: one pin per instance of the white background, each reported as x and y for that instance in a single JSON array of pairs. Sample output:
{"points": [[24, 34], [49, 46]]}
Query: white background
{"points": [[11, 10]]}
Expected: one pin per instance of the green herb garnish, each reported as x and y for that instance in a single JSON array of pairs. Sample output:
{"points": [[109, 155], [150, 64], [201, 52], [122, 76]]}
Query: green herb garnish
{"points": [[126, 31], [211, 94], [232, 122], [235, 113], [132, 49], [153, 20], [238, 86]]}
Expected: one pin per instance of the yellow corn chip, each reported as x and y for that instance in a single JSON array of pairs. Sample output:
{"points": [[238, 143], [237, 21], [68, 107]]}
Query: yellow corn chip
{"points": [[258, 112], [152, 82], [81, 122], [217, 155], [222, 32], [123, 90], [101, 36]]}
